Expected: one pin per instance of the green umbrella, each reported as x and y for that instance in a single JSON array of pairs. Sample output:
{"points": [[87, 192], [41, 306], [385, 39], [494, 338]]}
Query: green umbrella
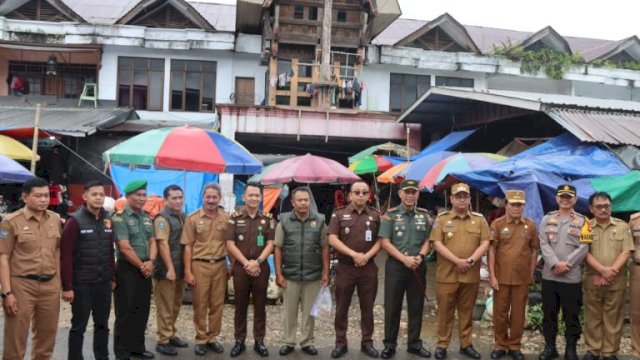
{"points": [[389, 148], [624, 190], [255, 179]]}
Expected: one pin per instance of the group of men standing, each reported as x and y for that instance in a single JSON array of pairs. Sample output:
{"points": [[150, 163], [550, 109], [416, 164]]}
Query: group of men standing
{"points": [[174, 250]]}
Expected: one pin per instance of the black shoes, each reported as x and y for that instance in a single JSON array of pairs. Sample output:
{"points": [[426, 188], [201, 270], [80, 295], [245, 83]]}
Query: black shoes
{"points": [[570, 352], [200, 349], [260, 348], [147, 355], [440, 353], [590, 356], [497, 354], [370, 351], [176, 342], [516, 354], [387, 353], [166, 349], [470, 352], [420, 352], [549, 353], [338, 352], [310, 350], [238, 348], [286, 350], [215, 347], [610, 357]]}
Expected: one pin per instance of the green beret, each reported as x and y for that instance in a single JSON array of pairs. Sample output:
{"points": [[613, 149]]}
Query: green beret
{"points": [[134, 186]]}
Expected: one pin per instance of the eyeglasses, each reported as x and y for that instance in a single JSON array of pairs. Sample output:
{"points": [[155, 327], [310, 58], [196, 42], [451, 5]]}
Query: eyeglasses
{"points": [[358, 192], [602, 207]]}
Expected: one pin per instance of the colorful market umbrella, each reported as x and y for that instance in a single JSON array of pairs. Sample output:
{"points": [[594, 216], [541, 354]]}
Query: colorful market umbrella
{"points": [[14, 149], [389, 148], [457, 163], [394, 174], [184, 148], [624, 190], [256, 178], [308, 169], [371, 164], [12, 172], [422, 165]]}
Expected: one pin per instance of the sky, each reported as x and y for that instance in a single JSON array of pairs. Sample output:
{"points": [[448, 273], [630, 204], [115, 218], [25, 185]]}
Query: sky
{"points": [[611, 19]]}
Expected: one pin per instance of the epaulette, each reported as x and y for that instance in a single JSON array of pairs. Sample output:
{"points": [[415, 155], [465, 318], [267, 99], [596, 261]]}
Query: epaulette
{"points": [[12, 215], [528, 219], [443, 213], [392, 209], [422, 209], [477, 214], [267, 215], [236, 213], [501, 218], [373, 209], [552, 212], [634, 216], [193, 213]]}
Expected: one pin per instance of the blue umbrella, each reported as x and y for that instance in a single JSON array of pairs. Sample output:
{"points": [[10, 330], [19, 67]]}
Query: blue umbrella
{"points": [[12, 172], [421, 166]]}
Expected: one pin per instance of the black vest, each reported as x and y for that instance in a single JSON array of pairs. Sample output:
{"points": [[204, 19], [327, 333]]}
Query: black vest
{"points": [[175, 248], [93, 249], [302, 250]]}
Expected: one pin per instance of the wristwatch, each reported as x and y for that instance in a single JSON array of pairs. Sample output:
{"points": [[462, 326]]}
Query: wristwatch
{"points": [[259, 261], [5, 294], [470, 261]]}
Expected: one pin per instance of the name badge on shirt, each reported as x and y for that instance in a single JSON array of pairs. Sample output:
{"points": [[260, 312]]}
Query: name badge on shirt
{"points": [[87, 231], [368, 236]]}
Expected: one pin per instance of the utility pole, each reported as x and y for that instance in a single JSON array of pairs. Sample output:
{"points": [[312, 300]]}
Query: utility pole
{"points": [[34, 146], [325, 85]]}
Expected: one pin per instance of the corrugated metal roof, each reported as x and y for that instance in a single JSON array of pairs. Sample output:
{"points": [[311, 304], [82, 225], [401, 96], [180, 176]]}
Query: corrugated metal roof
{"points": [[599, 126], [73, 122]]}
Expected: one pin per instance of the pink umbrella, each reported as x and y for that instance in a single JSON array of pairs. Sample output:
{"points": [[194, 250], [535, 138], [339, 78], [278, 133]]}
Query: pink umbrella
{"points": [[308, 169]]}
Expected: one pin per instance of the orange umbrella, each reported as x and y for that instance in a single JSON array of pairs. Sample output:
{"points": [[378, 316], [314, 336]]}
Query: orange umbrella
{"points": [[393, 174]]}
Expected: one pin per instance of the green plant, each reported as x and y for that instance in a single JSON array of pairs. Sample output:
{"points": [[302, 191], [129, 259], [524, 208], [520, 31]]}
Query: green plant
{"points": [[535, 316], [555, 64]]}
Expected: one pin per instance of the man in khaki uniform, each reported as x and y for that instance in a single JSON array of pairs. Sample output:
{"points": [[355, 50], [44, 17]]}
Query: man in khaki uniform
{"points": [[460, 237], [168, 273], [605, 282], [205, 267], [514, 243], [29, 274], [634, 224]]}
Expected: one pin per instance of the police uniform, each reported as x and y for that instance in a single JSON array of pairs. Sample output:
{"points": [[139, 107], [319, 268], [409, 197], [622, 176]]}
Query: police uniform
{"points": [[462, 235], [250, 236], [168, 294], [358, 231], [604, 305], [132, 296], [514, 242], [206, 235], [407, 231], [33, 246], [561, 240], [634, 224]]}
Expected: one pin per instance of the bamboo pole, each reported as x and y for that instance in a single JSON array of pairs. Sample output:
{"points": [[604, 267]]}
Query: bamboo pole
{"points": [[34, 146]]}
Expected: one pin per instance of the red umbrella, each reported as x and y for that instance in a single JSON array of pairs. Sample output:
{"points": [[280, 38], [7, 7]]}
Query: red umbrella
{"points": [[308, 169]]}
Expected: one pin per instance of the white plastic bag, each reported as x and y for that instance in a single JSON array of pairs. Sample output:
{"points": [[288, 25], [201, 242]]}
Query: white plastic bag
{"points": [[321, 308]]}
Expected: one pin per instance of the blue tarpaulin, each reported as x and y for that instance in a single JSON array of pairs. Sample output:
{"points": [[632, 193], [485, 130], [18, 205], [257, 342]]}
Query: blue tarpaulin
{"points": [[446, 143], [12, 172], [191, 182], [539, 170]]}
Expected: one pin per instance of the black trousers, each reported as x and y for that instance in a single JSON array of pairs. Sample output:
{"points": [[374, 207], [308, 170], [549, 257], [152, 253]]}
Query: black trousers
{"points": [[90, 300], [132, 298], [565, 296], [398, 281]]}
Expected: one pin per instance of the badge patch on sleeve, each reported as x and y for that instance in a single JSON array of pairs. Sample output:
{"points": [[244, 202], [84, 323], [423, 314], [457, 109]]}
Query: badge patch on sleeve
{"points": [[3, 233]]}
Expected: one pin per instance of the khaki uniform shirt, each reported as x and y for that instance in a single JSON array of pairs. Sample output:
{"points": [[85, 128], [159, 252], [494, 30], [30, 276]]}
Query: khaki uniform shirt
{"points": [[33, 245], [634, 224], [462, 235], [135, 226], [250, 234], [608, 242], [206, 234], [560, 241], [358, 231], [407, 229], [514, 241]]}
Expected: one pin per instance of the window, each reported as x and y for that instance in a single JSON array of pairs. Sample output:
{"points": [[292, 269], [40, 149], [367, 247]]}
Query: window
{"points": [[342, 16], [405, 89], [298, 12], [313, 13], [140, 83], [193, 85], [453, 81], [68, 82]]}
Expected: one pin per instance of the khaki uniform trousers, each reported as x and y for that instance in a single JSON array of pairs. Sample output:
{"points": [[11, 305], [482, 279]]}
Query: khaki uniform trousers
{"points": [[168, 298], [208, 299], [37, 301], [452, 296], [509, 306], [296, 293], [604, 318], [635, 307]]}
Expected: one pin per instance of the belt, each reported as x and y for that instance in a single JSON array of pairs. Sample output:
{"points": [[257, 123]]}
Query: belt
{"points": [[211, 261], [40, 278]]}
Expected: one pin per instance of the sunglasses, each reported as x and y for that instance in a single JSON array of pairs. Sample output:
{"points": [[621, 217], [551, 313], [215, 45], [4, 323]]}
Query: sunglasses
{"points": [[358, 192], [603, 207]]}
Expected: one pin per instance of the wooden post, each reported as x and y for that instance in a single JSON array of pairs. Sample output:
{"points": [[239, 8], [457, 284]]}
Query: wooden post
{"points": [[34, 146], [273, 73], [325, 66], [293, 89]]}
